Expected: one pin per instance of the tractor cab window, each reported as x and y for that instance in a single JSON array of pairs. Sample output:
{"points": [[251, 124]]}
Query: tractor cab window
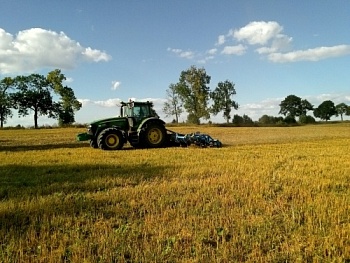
{"points": [[141, 111], [127, 111], [136, 111]]}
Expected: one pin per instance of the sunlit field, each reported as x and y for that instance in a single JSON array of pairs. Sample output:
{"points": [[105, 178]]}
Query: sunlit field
{"points": [[269, 195]]}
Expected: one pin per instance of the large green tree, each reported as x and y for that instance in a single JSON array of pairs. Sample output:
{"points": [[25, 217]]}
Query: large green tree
{"points": [[68, 103], [305, 107], [293, 106], [325, 110], [33, 94], [5, 100], [172, 107], [222, 99], [342, 109], [194, 93]]}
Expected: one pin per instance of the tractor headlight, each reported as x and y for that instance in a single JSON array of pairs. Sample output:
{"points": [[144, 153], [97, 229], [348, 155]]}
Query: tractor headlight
{"points": [[90, 130]]}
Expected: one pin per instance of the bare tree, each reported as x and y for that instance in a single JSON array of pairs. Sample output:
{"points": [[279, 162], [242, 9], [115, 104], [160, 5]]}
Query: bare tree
{"points": [[172, 107]]}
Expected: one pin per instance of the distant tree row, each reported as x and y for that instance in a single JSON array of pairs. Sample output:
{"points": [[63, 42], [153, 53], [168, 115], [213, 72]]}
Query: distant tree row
{"points": [[293, 106], [35, 93], [192, 94]]}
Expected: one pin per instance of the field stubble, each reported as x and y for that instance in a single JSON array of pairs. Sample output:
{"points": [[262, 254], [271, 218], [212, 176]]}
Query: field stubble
{"points": [[269, 195]]}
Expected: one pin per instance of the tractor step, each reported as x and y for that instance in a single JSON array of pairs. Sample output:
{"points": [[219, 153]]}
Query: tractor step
{"points": [[133, 137]]}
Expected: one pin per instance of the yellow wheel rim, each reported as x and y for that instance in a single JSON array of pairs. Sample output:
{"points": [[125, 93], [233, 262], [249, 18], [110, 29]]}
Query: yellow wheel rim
{"points": [[155, 136], [112, 140]]}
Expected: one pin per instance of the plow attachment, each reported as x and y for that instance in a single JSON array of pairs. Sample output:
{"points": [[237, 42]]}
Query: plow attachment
{"points": [[197, 139]]}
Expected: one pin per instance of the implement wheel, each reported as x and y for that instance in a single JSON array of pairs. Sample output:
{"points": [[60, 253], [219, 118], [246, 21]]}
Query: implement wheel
{"points": [[154, 135], [110, 139]]}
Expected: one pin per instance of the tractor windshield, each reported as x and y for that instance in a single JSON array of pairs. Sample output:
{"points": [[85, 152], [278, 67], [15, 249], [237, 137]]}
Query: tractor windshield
{"points": [[141, 111], [136, 111]]}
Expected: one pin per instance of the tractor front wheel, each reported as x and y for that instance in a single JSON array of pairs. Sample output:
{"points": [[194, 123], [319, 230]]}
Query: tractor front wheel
{"points": [[154, 135], [93, 143], [110, 139]]}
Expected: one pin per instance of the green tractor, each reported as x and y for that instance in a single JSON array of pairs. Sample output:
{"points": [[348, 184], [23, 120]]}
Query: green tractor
{"points": [[137, 124]]}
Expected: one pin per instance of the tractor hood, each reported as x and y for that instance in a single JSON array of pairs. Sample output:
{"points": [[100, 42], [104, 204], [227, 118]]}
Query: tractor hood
{"points": [[120, 122], [107, 120]]}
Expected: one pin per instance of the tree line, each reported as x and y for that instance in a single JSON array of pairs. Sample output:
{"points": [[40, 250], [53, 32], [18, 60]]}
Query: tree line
{"points": [[36, 93], [293, 106], [192, 94]]}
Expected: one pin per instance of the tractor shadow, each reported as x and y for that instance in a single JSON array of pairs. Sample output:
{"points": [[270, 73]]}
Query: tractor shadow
{"points": [[39, 147], [77, 145]]}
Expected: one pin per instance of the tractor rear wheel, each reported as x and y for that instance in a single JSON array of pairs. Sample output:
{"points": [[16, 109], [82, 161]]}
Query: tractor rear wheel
{"points": [[110, 139], [154, 135]]}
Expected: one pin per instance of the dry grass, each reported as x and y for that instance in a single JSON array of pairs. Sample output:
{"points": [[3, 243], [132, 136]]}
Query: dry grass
{"points": [[269, 195]]}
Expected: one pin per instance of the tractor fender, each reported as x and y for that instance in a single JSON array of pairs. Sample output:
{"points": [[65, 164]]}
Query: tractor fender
{"points": [[148, 120]]}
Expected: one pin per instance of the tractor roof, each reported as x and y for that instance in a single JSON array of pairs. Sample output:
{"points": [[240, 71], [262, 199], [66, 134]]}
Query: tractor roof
{"points": [[137, 103]]}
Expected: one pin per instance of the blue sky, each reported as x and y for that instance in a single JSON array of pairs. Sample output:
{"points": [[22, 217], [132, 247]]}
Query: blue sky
{"points": [[116, 50]]}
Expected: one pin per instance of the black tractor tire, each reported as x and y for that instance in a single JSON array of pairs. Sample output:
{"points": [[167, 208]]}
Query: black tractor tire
{"points": [[154, 135], [110, 139], [93, 143]]}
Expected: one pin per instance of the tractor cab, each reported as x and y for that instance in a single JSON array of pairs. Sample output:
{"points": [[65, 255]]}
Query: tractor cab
{"points": [[136, 112]]}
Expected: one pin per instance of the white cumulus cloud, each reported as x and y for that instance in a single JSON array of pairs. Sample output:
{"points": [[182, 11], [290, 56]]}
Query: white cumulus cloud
{"points": [[212, 51], [115, 85], [109, 103], [268, 40], [181, 53], [314, 54], [335, 97], [258, 32], [37, 48], [95, 55], [221, 40], [234, 50], [278, 44]]}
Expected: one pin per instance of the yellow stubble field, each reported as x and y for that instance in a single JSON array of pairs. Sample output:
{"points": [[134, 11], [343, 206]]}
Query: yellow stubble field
{"points": [[271, 194]]}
